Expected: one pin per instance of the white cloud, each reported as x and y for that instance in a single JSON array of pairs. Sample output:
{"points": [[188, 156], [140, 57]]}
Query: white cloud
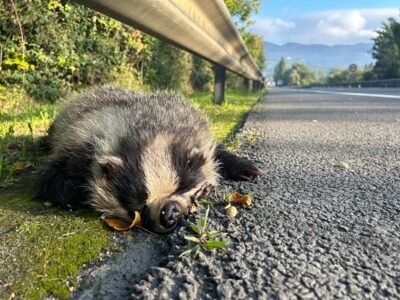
{"points": [[275, 25], [325, 27]]}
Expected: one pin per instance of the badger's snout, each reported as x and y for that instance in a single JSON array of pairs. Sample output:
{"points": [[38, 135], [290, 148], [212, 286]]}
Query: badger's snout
{"points": [[170, 214]]}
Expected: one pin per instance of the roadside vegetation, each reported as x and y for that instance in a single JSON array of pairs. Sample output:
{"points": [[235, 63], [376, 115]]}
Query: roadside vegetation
{"points": [[385, 51], [50, 49], [42, 248]]}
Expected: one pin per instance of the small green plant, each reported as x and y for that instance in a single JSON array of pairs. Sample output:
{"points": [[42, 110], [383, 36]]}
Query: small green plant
{"points": [[203, 241], [6, 136]]}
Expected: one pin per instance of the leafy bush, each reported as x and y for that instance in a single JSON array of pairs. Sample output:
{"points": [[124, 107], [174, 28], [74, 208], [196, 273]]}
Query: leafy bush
{"points": [[51, 46], [167, 66]]}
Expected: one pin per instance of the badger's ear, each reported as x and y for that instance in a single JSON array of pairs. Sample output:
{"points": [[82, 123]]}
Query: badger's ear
{"points": [[109, 164], [196, 158]]}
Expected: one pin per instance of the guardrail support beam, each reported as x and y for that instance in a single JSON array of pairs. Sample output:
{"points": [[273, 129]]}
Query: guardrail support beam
{"points": [[255, 85], [219, 84], [245, 84], [204, 28]]}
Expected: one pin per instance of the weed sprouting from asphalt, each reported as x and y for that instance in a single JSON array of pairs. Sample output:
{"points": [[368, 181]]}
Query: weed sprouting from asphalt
{"points": [[204, 237]]}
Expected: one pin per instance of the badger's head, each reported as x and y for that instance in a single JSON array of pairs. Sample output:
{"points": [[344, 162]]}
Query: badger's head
{"points": [[161, 183], [163, 214]]}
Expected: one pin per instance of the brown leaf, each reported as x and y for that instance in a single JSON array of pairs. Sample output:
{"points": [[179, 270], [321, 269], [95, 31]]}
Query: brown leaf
{"points": [[239, 198], [121, 225], [20, 166]]}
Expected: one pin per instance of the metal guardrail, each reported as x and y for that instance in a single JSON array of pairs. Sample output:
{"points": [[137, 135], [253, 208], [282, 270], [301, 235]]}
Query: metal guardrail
{"points": [[371, 83], [202, 27]]}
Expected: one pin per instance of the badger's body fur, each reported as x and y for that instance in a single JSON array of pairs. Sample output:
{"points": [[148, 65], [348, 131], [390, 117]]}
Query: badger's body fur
{"points": [[120, 152]]}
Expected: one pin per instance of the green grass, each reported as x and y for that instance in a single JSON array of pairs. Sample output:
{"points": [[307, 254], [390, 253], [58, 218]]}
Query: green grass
{"points": [[226, 117], [43, 248]]}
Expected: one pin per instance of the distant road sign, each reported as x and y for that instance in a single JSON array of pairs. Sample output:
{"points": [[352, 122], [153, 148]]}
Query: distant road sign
{"points": [[353, 68]]}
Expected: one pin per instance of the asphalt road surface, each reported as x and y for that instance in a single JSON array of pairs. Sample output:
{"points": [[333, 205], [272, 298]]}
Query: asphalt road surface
{"points": [[315, 231]]}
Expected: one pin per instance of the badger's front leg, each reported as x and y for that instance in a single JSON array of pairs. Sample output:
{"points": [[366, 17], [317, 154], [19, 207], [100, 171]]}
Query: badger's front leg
{"points": [[236, 168]]}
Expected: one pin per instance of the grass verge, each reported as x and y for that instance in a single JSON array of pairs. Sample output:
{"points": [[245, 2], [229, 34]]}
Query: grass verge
{"points": [[43, 248]]}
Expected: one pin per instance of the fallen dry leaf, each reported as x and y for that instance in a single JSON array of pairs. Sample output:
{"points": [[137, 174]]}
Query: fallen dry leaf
{"points": [[120, 225], [231, 211], [239, 198], [344, 165], [20, 166]]}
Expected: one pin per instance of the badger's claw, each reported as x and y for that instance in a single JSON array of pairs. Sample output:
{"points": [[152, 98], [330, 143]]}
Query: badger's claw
{"points": [[205, 189], [242, 169], [236, 168]]}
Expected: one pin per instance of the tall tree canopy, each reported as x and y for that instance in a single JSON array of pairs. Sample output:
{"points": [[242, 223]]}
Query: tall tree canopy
{"points": [[386, 50], [300, 74], [48, 47], [243, 9], [280, 70]]}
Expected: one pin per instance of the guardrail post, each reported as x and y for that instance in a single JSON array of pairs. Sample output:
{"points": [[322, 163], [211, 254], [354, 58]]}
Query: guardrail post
{"points": [[246, 84], [219, 84], [255, 85]]}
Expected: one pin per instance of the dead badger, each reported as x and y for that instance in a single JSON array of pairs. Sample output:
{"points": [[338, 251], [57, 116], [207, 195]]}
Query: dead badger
{"points": [[121, 151]]}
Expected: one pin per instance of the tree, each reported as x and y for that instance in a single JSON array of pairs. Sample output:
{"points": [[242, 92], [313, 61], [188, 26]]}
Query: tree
{"points": [[386, 50], [341, 76], [292, 77], [338, 76], [280, 71], [300, 74], [201, 74], [243, 9], [255, 45], [167, 67], [368, 73]]}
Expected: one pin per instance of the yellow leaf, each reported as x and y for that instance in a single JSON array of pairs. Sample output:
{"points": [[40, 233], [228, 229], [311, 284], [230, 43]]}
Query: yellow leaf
{"points": [[239, 198], [20, 166], [120, 225]]}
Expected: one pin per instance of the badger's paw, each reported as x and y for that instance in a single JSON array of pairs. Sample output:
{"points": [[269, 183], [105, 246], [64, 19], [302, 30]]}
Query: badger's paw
{"points": [[242, 169]]}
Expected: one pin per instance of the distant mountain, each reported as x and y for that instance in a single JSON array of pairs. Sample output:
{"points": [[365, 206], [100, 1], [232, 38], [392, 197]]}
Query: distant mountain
{"points": [[317, 56]]}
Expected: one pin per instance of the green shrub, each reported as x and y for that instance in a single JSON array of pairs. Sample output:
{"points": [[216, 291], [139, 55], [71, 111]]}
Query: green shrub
{"points": [[62, 46]]}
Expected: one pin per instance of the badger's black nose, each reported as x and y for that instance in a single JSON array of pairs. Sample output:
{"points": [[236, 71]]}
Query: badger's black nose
{"points": [[170, 214]]}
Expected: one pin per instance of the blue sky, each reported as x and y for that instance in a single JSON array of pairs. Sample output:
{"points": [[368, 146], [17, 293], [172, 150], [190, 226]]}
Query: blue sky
{"points": [[323, 22]]}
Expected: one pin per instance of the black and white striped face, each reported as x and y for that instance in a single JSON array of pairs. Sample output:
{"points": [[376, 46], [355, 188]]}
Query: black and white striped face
{"points": [[162, 215], [161, 183], [175, 174]]}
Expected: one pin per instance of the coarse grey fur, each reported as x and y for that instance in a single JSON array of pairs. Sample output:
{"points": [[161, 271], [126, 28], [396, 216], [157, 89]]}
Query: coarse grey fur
{"points": [[121, 151]]}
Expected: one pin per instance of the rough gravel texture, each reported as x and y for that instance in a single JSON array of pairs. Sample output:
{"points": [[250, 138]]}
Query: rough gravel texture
{"points": [[315, 230]]}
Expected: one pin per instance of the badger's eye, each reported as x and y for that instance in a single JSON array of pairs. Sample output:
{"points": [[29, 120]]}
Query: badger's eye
{"points": [[170, 214]]}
